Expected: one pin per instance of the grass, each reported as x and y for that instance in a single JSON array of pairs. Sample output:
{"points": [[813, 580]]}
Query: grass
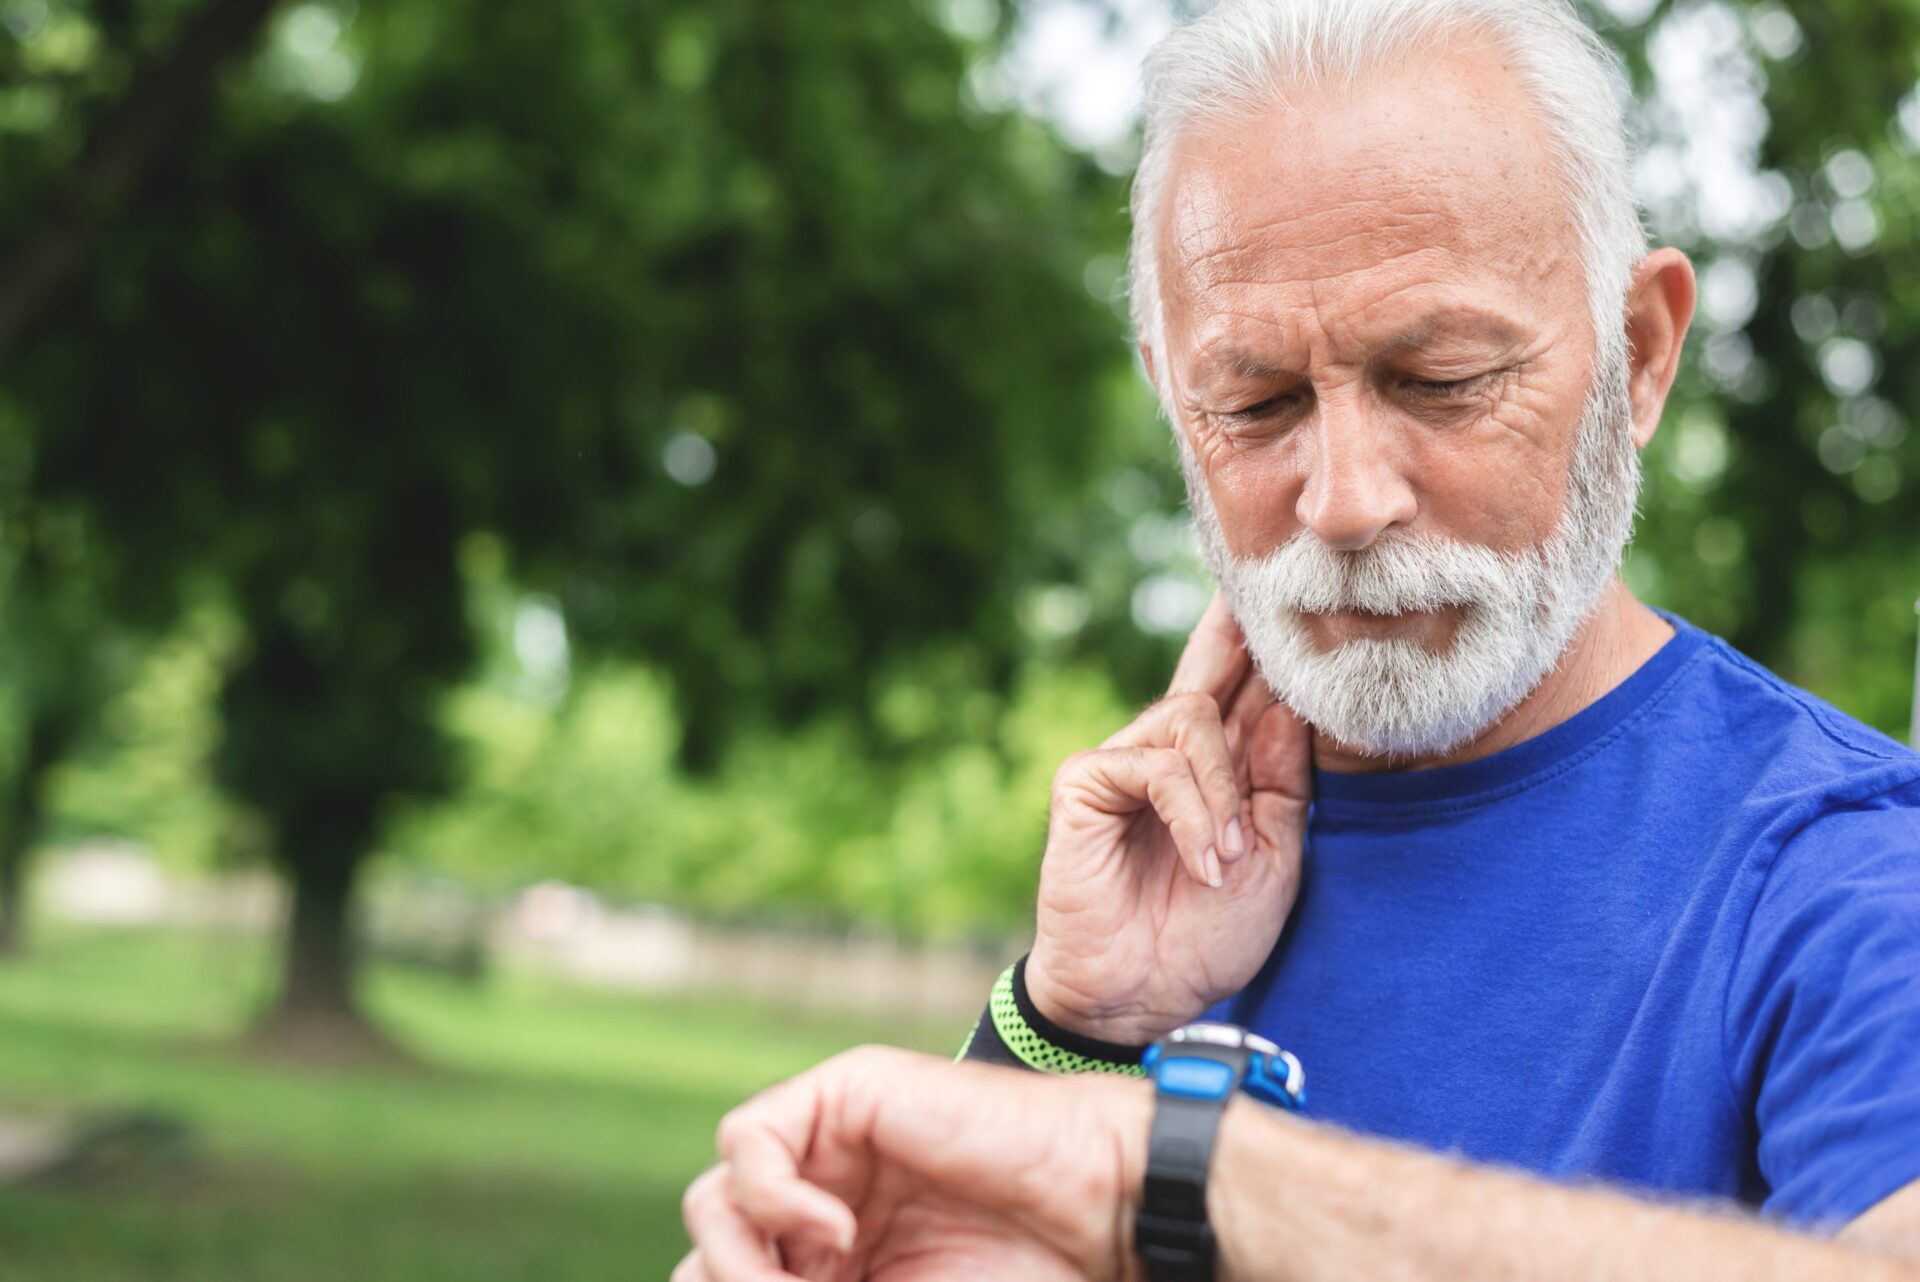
{"points": [[548, 1136]]}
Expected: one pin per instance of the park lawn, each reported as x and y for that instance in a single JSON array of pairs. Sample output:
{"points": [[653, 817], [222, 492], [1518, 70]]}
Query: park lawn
{"points": [[547, 1135]]}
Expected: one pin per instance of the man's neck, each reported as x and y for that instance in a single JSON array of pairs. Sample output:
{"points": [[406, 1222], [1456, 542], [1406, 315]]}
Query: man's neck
{"points": [[1619, 636]]}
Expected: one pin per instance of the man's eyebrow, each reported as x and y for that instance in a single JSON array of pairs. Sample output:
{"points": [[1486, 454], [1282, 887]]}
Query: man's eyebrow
{"points": [[1450, 322], [1249, 365], [1453, 323]]}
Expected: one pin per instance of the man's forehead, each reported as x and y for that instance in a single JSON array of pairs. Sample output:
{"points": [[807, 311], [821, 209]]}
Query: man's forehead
{"points": [[1435, 171], [1235, 344]]}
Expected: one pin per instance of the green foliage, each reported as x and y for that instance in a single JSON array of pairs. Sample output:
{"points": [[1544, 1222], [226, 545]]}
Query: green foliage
{"points": [[942, 836], [1783, 503], [144, 774], [749, 344], [820, 334]]}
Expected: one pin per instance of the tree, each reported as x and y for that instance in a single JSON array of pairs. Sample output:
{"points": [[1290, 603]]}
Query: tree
{"points": [[65, 655], [729, 322], [1780, 506]]}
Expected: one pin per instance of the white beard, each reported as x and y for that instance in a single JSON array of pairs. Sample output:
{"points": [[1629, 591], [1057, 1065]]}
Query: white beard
{"points": [[1519, 610]]}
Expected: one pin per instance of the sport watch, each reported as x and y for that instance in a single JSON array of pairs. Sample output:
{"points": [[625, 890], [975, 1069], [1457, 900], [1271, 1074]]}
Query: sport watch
{"points": [[1195, 1071]]}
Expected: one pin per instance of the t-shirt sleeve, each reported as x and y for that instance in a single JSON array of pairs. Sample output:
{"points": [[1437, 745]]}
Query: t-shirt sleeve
{"points": [[1823, 1013]]}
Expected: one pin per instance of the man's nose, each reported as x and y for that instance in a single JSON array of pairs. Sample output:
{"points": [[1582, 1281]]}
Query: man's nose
{"points": [[1355, 488]]}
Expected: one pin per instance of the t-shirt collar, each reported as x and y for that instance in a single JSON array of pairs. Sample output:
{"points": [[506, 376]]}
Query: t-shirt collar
{"points": [[1513, 766]]}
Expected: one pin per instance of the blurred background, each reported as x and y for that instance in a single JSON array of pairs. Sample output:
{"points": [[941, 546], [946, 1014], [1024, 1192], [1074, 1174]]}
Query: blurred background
{"points": [[549, 553]]}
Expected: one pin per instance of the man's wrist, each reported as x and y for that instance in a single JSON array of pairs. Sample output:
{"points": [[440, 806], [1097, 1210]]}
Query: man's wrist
{"points": [[1072, 1035], [1132, 1107], [1119, 1025], [1242, 1203]]}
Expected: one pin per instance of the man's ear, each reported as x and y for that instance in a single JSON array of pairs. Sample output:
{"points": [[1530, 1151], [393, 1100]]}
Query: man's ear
{"points": [[1146, 358], [1659, 309]]}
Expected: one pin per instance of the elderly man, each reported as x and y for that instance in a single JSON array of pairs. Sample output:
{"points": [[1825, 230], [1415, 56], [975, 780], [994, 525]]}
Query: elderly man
{"points": [[1596, 938]]}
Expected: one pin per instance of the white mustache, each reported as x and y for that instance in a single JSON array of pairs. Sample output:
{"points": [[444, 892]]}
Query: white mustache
{"points": [[1399, 574]]}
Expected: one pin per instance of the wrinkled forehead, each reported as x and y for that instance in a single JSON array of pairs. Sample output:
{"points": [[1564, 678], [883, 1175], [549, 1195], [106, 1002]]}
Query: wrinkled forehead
{"points": [[1428, 181]]}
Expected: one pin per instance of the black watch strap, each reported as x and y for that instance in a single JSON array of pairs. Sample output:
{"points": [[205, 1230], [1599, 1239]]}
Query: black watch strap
{"points": [[1012, 1031], [1171, 1234]]}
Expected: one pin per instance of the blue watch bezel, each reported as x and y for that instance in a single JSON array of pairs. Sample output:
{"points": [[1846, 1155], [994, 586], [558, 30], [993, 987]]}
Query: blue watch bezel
{"points": [[1272, 1076]]}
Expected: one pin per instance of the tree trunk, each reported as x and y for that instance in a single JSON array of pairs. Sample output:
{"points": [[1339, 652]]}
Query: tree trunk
{"points": [[316, 1016], [319, 964]]}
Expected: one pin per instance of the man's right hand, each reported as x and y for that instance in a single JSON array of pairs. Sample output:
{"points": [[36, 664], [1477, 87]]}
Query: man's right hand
{"points": [[1173, 850]]}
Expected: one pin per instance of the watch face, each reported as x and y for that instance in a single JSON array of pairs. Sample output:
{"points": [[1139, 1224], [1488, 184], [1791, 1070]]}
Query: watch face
{"points": [[1272, 1075]]}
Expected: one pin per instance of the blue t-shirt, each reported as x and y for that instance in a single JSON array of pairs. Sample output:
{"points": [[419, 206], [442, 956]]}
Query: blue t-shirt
{"points": [[1673, 942]]}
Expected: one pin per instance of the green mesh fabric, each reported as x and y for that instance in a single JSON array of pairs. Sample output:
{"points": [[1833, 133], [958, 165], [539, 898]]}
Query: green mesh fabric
{"points": [[968, 1044], [1036, 1051]]}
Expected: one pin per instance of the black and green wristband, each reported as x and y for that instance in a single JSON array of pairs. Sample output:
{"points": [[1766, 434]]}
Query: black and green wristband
{"points": [[1013, 1032]]}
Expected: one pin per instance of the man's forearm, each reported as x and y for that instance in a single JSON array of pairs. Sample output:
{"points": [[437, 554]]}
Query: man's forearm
{"points": [[1295, 1202]]}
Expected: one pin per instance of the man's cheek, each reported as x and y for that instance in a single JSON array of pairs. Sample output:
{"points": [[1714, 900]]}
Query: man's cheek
{"points": [[1513, 472], [1257, 497]]}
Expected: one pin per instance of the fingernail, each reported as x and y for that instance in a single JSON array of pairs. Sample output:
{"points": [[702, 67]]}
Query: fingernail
{"points": [[1236, 843], [1213, 867]]}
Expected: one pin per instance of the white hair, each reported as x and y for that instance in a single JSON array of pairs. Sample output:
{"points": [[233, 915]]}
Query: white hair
{"points": [[1244, 54]]}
